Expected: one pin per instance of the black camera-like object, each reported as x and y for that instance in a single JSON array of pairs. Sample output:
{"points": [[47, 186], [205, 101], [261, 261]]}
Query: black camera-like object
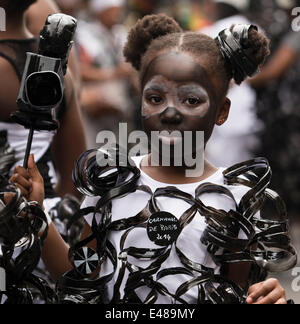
{"points": [[41, 93], [42, 87]]}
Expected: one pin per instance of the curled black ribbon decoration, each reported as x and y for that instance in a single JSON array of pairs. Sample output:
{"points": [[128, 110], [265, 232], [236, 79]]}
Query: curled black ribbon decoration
{"points": [[116, 180], [274, 252], [265, 242], [201, 277], [20, 224], [232, 45]]}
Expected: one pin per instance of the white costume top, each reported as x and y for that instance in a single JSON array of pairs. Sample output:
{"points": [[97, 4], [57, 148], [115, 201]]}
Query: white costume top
{"points": [[188, 242]]}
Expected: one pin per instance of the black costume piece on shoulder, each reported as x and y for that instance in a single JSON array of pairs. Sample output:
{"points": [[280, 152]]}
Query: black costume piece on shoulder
{"points": [[222, 234]]}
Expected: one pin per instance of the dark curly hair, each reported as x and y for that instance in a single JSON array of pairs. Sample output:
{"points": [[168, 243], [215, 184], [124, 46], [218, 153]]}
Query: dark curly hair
{"points": [[12, 6], [157, 34]]}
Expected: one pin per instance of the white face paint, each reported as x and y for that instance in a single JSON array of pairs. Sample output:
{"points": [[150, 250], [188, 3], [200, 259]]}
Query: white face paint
{"points": [[188, 98]]}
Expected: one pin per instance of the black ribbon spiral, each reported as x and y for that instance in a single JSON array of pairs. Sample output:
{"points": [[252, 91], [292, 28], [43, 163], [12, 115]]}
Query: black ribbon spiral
{"points": [[265, 242]]}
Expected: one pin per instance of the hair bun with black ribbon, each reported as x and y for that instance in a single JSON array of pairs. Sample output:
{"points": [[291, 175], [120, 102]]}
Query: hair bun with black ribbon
{"points": [[244, 50]]}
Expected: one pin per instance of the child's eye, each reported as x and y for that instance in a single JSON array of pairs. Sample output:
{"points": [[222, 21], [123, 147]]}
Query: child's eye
{"points": [[155, 99], [193, 101]]}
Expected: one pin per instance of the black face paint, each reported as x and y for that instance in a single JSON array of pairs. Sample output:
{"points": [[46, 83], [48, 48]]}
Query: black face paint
{"points": [[180, 68], [175, 85], [170, 114]]}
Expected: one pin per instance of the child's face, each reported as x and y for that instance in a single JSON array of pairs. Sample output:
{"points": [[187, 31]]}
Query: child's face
{"points": [[179, 95]]}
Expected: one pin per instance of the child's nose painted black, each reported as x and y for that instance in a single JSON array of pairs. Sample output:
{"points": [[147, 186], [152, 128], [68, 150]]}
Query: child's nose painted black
{"points": [[171, 116]]}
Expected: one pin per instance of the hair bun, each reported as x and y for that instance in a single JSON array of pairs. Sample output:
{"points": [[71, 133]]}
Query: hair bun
{"points": [[144, 32], [244, 49]]}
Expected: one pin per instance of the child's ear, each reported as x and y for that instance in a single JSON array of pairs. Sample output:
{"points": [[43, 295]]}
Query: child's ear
{"points": [[223, 112]]}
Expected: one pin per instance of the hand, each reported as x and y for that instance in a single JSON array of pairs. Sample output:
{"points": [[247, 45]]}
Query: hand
{"points": [[267, 292], [30, 182], [8, 197]]}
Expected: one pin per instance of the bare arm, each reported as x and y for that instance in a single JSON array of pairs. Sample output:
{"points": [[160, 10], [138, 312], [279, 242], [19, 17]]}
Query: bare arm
{"points": [[9, 89], [57, 263], [55, 250], [37, 14], [55, 254], [278, 65], [69, 142], [239, 273], [86, 232]]}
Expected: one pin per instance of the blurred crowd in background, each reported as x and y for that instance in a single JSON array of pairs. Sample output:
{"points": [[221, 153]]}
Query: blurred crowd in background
{"points": [[265, 111], [265, 114]]}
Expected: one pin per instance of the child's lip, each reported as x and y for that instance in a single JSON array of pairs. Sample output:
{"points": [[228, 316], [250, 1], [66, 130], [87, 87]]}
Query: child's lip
{"points": [[169, 130], [168, 138]]}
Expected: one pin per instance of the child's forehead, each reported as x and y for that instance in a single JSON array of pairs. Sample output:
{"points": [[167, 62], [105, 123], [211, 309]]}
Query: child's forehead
{"points": [[160, 82], [178, 67]]}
